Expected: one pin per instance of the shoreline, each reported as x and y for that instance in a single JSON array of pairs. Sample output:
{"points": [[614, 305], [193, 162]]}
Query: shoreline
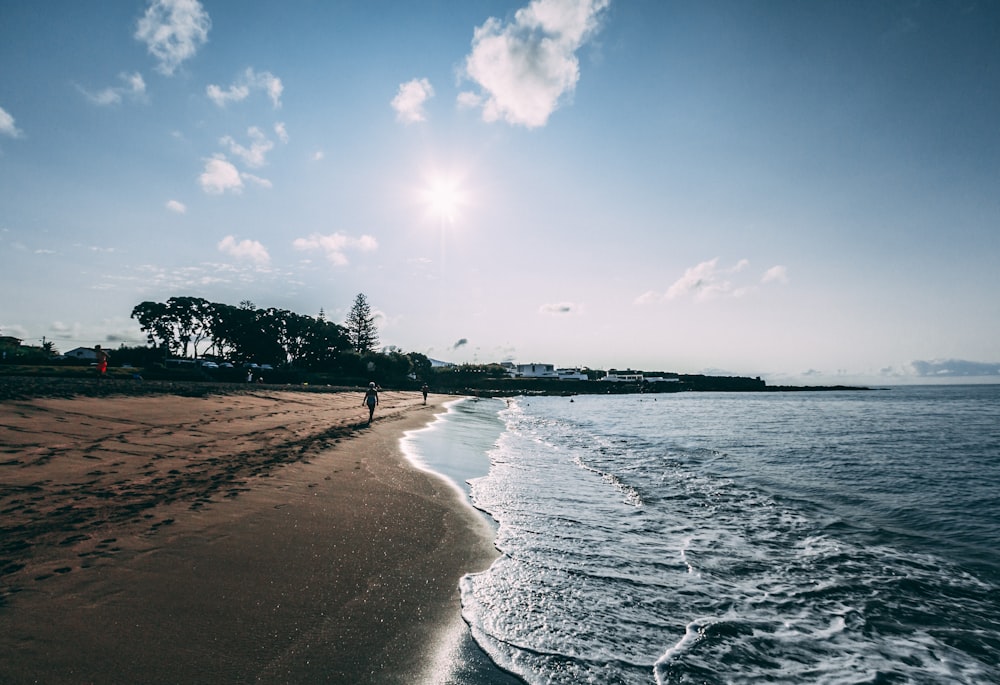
{"points": [[260, 536]]}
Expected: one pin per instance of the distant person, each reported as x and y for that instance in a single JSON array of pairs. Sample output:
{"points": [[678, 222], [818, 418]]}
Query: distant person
{"points": [[424, 390], [102, 360], [371, 399]]}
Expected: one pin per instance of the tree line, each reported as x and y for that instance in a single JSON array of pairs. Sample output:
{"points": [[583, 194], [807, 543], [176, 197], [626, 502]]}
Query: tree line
{"points": [[192, 327]]}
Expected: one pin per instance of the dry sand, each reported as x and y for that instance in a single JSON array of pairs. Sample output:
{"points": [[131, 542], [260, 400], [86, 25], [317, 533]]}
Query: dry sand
{"points": [[269, 536]]}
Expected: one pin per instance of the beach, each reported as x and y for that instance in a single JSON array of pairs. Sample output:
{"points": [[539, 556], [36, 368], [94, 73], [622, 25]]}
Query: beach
{"points": [[264, 535]]}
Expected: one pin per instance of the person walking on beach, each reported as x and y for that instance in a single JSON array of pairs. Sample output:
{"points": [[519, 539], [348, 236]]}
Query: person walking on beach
{"points": [[102, 361], [371, 399], [424, 390]]}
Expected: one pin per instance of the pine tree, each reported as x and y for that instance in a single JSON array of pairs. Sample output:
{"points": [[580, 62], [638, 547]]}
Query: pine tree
{"points": [[360, 326]]}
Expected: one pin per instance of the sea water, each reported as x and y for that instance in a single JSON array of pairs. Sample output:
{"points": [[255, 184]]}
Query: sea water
{"points": [[814, 537]]}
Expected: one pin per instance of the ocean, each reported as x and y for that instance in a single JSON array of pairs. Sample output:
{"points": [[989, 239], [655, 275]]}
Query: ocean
{"points": [[797, 537]]}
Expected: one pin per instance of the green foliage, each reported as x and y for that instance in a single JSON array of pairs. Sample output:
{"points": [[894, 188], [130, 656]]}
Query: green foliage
{"points": [[23, 354], [176, 324], [420, 366], [137, 355], [300, 347], [246, 333], [361, 329]]}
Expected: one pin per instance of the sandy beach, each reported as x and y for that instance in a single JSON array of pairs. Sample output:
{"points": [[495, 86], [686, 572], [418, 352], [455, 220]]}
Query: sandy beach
{"points": [[261, 536]]}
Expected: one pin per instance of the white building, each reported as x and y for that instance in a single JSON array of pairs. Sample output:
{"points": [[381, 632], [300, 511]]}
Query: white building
{"points": [[534, 371], [571, 375], [623, 378]]}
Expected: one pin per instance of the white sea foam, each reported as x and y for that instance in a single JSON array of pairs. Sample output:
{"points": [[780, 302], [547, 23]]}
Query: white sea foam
{"points": [[745, 562]]}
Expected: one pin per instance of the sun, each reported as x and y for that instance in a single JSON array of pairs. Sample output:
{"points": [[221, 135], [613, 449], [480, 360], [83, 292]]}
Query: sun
{"points": [[443, 198]]}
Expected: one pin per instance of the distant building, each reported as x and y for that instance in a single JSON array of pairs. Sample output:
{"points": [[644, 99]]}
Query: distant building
{"points": [[82, 354], [623, 377], [571, 375], [534, 371]]}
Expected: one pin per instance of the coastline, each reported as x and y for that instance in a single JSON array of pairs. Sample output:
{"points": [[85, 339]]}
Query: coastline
{"points": [[266, 536]]}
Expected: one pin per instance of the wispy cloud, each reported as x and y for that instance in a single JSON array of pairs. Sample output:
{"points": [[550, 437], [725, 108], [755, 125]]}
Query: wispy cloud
{"points": [[176, 206], [256, 180], [409, 101], [7, 126], [245, 250], [524, 69], [173, 30], [248, 82], [253, 156], [708, 280], [134, 88], [232, 272], [335, 245], [702, 281], [281, 131]]}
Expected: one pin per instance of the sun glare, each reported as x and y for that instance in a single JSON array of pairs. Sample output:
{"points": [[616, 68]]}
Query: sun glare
{"points": [[444, 199]]}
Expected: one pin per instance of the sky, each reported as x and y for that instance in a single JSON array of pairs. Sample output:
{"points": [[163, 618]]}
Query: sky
{"points": [[808, 192]]}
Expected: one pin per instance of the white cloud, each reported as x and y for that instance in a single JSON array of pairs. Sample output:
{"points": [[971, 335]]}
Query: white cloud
{"points": [[648, 297], [134, 87], [703, 281], [219, 176], [246, 250], [173, 30], [15, 330], [281, 131], [104, 98], [247, 82], [176, 206], [776, 274], [525, 68], [257, 180], [335, 245], [409, 101], [7, 126], [254, 155], [134, 83], [318, 155], [469, 100], [221, 97], [707, 280]]}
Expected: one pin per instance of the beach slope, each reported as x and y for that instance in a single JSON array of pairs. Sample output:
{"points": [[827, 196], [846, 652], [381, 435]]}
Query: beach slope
{"points": [[264, 536]]}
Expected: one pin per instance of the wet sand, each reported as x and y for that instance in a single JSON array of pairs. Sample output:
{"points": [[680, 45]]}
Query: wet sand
{"points": [[263, 536]]}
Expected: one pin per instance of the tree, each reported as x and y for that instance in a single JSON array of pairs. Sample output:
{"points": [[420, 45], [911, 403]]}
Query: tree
{"points": [[176, 324], [420, 365], [192, 320], [360, 324], [154, 320], [323, 343]]}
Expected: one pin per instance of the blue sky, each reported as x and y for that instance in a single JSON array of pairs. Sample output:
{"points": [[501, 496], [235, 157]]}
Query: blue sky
{"points": [[805, 191]]}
